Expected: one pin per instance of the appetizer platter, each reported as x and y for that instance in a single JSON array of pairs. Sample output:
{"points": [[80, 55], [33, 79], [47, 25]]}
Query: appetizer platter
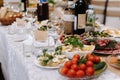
{"points": [[99, 34], [104, 45], [50, 60], [113, 32], [72, 45]]}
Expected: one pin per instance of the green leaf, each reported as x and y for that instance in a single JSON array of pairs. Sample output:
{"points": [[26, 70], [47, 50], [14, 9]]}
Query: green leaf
{"points": [[82, 60], [44, 50], [43, 28], [73, 40], [51, 1]]}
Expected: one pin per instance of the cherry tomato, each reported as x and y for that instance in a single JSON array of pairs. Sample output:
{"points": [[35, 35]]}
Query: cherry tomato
{"points": [[64, 70], [68, 64], [71, 73], [75, 67], [88, 55], [74, 60], [62, 41], [82, 66], [80, 74], [89, 63], [76, 56], [89, 71], [91, 58], [62, 37], [97, 59]]}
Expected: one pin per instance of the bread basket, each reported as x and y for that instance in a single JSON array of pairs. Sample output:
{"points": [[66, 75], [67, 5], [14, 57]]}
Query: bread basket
{"points": [[7, 17], [10, 17]]}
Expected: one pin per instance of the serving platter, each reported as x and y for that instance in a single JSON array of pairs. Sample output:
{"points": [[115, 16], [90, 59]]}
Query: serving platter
{"points": [[116, 51], [114, 32]]}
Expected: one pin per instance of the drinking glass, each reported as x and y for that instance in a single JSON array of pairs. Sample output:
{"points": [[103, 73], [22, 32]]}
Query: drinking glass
{"points": [[52, 33], [27, 48], [56, 29]]}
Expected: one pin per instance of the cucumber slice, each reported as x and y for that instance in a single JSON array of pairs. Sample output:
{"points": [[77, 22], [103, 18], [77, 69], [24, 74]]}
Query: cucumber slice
{"points": [[99, 65], [100, 71]]}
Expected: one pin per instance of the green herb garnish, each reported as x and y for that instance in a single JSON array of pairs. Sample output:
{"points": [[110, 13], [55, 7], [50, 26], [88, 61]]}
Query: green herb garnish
{"points": [[43, 28], [74, 41], [51, 1], [58, 50], [82, 60], [99, 34]]}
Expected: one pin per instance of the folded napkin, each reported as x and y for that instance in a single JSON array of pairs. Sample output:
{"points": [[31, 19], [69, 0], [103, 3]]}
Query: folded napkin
{"points": [[20, 22], [40, 35], [48, 42]]}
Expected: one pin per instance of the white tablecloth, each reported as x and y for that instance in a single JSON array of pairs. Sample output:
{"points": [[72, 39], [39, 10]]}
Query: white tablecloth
{"points": [[19, 67]]}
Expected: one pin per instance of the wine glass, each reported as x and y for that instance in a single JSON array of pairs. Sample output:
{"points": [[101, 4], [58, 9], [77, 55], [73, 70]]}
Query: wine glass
{"points": [[57, 29]]}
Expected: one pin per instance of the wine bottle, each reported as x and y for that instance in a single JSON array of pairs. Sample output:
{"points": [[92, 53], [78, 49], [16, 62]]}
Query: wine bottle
{"points": [[80, 17], [69, 17], [70, 4], [43, 10], [23, 5]]}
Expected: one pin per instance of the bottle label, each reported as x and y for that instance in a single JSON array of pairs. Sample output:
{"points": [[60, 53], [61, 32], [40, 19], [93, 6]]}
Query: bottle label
{"points": [[81, 21], [32, 3], [90, 18]]}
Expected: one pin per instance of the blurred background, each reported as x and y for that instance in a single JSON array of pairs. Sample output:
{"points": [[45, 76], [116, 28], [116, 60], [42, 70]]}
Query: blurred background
{"points": [[113, 10]]}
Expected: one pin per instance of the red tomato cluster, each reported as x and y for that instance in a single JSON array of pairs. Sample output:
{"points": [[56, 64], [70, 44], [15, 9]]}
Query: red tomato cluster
{"points": [[72, 68]]}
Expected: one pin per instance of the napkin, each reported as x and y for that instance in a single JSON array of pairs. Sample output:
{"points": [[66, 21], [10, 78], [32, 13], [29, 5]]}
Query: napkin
{"points": [[40, 35], [48, 42], [20, 22]]}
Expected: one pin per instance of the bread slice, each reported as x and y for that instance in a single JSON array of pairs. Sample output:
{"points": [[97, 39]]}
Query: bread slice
{"points": [[3, 12]]}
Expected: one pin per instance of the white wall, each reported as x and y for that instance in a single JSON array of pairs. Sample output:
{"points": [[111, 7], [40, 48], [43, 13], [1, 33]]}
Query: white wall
{"points": [[110, 21]]}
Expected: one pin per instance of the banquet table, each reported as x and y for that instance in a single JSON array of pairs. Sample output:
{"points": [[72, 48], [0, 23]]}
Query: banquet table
{"points": [[16, 66]]}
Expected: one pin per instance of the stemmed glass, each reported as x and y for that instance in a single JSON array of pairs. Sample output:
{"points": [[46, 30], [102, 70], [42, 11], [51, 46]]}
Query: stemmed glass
{"points": [[55, 29]]}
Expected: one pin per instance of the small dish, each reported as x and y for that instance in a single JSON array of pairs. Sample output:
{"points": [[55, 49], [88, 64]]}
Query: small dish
{"points": [[114, 60]]}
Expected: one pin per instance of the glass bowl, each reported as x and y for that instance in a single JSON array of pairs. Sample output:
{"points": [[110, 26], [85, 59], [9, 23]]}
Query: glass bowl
{"points": [[96, 75]]}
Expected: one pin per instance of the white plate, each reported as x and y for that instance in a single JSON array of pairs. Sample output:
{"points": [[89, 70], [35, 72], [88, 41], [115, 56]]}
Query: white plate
{"points": [[47, 67]]}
